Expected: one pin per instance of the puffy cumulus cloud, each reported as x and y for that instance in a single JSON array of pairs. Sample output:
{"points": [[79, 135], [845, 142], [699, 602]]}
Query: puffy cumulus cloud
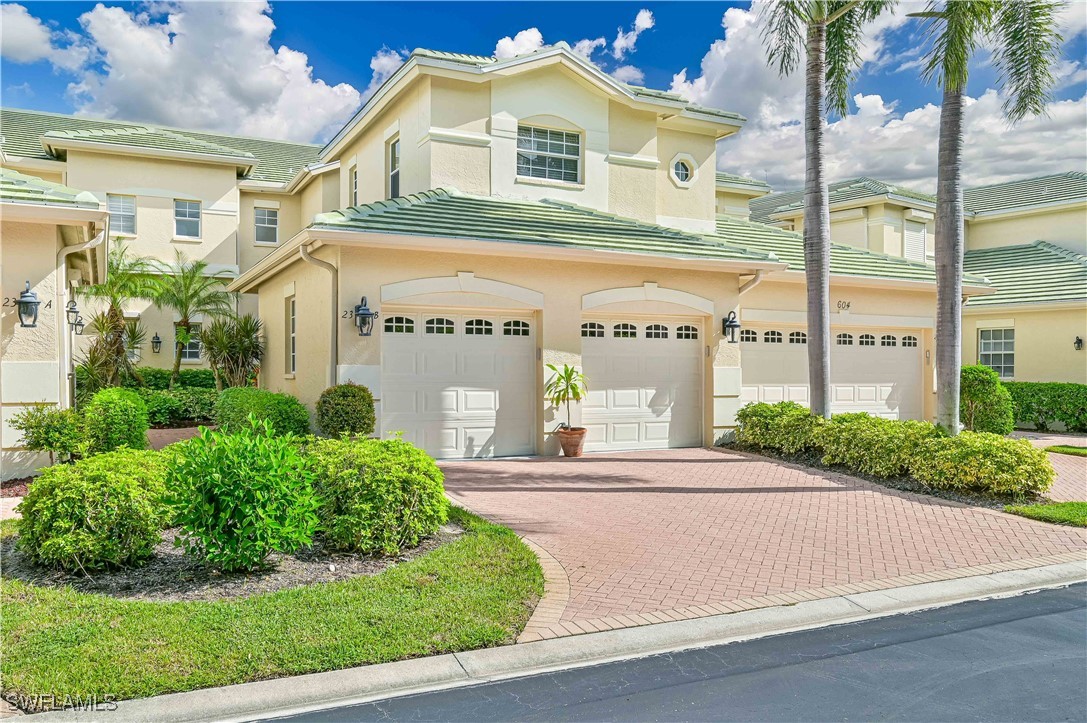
{"points": [[588, 46], [625, 40], [523, 42], [384, 63], [1073, 19], [23, 38], [629, 74]]}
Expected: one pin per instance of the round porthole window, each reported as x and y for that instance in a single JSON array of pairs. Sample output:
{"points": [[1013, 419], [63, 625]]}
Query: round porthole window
{"points": [[683, 171]]}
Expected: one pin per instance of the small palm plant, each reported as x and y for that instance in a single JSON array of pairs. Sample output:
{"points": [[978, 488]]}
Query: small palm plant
{"points": [[567, 385]]}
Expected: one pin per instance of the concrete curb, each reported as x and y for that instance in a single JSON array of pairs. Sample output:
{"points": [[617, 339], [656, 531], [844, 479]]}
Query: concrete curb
{"points": [[287, 696]]}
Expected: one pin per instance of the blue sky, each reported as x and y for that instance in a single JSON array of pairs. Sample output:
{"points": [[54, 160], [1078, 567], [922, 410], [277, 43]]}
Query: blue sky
{"points": [[101, 61]]}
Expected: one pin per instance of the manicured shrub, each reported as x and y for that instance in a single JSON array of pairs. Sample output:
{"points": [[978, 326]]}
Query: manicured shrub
{"points": [[102, 511], [376, 495], [346, 409], [983, 462], [197, 403], [179, 406], [115, 417], [239, 496], [1045, 404], [284, 412], [156, 378], [163, 409], [986, 406], [784, 427], [47, 428], [873, 445]]}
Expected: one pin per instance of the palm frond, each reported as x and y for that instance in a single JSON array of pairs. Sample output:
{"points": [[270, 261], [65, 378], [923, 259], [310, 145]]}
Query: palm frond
{"points": [[1028, 46], [784, 30], [953, 31]]}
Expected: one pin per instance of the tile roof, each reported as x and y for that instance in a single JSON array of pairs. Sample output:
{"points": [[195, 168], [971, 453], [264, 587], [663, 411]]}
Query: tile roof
{"points": [[1071, 186], [448, 213], [18, 187], [1034, 273], [852, 189], [734, 180], [146, 137], [845, 260], [277, 161]]}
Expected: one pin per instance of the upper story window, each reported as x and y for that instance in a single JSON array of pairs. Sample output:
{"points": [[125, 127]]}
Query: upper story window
{"points": [[354, 186], [267, 225], [549, 154], [394, 168], [683, 171], [122, 213], [187, 219]]}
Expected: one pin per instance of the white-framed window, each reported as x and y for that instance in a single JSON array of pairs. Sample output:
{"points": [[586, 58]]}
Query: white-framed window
{"points": [[550, 154], [439, 326], [592, 330], [515, 328], [909, 341], [624, 331], [686, 332], [683, 171], [656, 331], [122, 214], [186, 218], [888, 340], [190, 351], [354, 181], [798, 337], [749, 335], [844, 340], [996, 349], [266, 221], [478, 327], [292, 335], [772, 337], [399, 325], [866, 340], [394, 168]]}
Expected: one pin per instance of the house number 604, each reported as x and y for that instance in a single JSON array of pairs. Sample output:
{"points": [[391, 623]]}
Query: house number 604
{"points": [[844, 305]]}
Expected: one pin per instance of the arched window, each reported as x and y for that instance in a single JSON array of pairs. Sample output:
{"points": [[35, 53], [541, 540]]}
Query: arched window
{"points": [[749, 335], [867, 340], [888, 340], [515, 328], [772, 337], [686, 332], [592, 330], [625, 331], [439, 326], [798, 337], [478, 327], [656, 331], [399, 325], [909, 341], [845, 340]]}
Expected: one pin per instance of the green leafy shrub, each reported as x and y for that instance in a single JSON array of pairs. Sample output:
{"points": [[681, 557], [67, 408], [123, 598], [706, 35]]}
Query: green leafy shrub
{"points": [[377, 495], [784, 427], [237, 497], [285, 413], [1044, 404], [115, 417], [179, 406], [163, 409], [873, 445], [346, 409], [985, 404], [156, 378], [102, 511], [47, 428], [983, 462]]}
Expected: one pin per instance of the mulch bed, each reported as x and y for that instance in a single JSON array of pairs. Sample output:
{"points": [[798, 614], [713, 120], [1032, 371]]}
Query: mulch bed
{"points": [[15, 487], [173, 576]]}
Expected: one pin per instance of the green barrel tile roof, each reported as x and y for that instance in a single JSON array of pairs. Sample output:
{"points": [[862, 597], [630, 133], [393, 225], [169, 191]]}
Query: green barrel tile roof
{"points": [[277, 161], [845, 260], [733, 179], [852, 189], [146, 137], [1033, 273], [448, 213], [1056, 188], [18, 187]]}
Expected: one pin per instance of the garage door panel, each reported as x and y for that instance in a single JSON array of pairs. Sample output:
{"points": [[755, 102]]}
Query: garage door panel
{"points": [[480, 400], [625, 399]]}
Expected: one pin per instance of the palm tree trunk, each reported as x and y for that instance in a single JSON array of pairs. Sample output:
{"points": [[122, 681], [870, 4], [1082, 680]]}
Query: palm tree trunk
{"points": [[950, 243], [817, 224], [183, 324]]}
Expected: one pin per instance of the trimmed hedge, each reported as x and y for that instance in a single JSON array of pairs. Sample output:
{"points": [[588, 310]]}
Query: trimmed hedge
{"points": [[1043, 404], [784, 427], [984, 403], [115, 417], [285, 413], [346, 409], [983, 462], [872, 445], [156, 378], [180, 406]]}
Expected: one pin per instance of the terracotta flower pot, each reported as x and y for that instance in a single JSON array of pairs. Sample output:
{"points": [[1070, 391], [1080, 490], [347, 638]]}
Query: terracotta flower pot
{"points": [[572, 440]]}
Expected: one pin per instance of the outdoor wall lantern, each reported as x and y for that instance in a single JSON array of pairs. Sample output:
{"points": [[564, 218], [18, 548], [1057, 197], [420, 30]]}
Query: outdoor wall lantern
{"points": [[1078, 343], [729, 326], [156, 343], [364, 318], [71, 313], [78, 326], [28, 308]]}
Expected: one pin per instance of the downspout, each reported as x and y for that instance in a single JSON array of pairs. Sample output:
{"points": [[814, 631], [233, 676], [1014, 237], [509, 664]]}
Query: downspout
{"points": [[64, 397], [334, 351], [750, 283]]}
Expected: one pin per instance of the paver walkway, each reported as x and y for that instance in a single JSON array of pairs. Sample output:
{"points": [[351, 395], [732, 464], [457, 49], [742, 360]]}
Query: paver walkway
{"points": [[646, 532], [1071, 482]]}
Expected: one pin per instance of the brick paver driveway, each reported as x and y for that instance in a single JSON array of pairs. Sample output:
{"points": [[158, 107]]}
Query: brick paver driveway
{"points": [[639, 533]]}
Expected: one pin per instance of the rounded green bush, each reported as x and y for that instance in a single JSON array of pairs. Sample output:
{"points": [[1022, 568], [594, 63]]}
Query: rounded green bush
{"points": [[873, 445], [377, 496], [783, 427], [985, 404], [1045, 404], [285, 413], [114, 418], [983, 462], [102, 511], [346, 409]]}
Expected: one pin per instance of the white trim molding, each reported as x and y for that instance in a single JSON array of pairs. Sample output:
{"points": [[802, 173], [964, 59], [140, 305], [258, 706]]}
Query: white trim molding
{"points": [[649, 291], [631, 159], [464, 281], [841, 318], [456, 137]]}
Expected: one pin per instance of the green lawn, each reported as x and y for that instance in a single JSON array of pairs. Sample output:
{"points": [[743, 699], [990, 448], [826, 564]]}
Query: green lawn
{"points": [[475, 592], [1068, 449], [1060, 513]]}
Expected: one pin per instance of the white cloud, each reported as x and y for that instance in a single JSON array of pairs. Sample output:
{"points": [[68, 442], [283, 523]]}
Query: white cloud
{"points": [[588, 46], [23, 38], [629, 74], [384, 63], [626, 40], [1073, 18], [523, 42]]}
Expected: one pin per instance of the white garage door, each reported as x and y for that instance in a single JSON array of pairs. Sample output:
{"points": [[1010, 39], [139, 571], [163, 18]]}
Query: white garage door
{"points": [[459, 384], [878, 371], [645, 383]]}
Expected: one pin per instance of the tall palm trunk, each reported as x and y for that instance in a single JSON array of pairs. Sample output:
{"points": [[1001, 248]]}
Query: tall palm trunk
{"points": [[950, 243], [817, 224], [178, 346]]}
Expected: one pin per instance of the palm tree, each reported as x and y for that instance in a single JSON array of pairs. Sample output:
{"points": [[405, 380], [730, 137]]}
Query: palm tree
{"points": [[1026, 41], [188, 290], [829, 32], [234, 348]]}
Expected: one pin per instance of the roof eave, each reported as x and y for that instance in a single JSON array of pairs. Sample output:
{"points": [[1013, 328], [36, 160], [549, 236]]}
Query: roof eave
{"points": [[54, 146], [16, 210]]}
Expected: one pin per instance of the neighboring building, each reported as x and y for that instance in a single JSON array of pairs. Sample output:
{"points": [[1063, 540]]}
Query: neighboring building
{"points": [[51, 239], [734, 193]]}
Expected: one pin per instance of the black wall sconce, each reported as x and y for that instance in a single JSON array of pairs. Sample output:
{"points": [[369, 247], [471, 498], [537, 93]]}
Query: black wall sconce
{"points": [[71, 313], [364, 318], [1078, 343], [78, 326], [156, 343], [28, 308], [729, 326]]}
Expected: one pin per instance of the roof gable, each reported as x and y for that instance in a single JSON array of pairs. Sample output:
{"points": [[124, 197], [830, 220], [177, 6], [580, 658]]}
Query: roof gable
{"points": [[1034, 273], [1026, 192], [841, 192]]}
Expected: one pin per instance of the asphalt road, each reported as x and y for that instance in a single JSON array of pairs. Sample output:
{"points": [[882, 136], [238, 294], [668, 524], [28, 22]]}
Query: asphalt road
{"points": [[1016, 659]]}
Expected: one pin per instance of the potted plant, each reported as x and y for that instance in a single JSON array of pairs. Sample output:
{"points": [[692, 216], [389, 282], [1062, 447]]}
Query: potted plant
{"points": [[567, 385]]}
